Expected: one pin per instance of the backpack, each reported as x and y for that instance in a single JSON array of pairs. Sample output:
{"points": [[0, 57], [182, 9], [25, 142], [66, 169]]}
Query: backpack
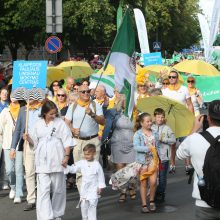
{"points": [[210, 187]]}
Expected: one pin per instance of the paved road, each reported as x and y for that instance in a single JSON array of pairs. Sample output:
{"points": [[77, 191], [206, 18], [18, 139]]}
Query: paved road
{"points": [[179, 205]]}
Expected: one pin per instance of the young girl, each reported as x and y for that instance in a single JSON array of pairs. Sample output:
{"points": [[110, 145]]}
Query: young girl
{"points": [[146, 144], [93, 181]]}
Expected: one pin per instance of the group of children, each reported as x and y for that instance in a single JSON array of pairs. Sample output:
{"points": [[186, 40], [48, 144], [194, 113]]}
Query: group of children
{"points": [[152, 143]]}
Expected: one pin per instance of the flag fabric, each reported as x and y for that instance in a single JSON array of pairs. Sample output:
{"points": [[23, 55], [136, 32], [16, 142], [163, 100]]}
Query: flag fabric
{"points": [[105, 80], [119, 15], [121, 57]]}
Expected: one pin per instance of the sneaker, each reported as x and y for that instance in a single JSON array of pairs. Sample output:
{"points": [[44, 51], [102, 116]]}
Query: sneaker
{"points": [[17, 200], [5, 187], [172, 169], [12, 194], [29, 207]]}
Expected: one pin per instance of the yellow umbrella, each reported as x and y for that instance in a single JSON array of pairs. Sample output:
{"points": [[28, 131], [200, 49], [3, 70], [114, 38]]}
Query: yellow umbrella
{"points": [[110, 70], [178, 117], [156, 69], [55, 73], [77, 69], [197, 67]]}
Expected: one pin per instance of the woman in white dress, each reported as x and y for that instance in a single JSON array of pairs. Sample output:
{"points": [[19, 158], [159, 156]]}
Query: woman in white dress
{"points": [[52, 140]]}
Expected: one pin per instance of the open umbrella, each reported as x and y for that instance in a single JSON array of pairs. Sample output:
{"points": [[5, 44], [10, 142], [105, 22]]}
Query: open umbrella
{"points": [[197, 67], [55, 73], [178, 117], [110, 70], [77, 69], [156, 69]]}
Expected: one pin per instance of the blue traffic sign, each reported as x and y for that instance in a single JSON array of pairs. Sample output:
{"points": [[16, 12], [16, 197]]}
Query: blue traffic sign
{"points": [[53, 44], [157, 45]]}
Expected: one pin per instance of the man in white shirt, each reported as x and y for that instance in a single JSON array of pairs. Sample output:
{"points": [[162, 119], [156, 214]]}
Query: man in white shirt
{"points": [[84, 119], [195, 146], [181, 94]]}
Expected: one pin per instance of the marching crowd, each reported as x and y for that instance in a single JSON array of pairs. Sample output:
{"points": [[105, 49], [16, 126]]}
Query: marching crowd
{"points": [[47, 140]]}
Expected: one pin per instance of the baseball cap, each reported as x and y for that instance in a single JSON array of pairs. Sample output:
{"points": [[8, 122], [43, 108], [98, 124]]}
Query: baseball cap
{"points": [[214, 109]]}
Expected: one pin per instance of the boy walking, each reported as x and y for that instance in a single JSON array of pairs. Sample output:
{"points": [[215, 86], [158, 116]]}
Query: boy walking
{"points": [[166, 138]]}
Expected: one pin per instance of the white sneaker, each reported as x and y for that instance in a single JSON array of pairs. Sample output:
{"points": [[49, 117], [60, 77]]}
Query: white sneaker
{"points": [[12, 194], [5, 187], [17, 200]]}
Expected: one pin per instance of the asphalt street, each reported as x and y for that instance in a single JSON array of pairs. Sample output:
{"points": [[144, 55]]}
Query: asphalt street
{"points": [[179, 204]]}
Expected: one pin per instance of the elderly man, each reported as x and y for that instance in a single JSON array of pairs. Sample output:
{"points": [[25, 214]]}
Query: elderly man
{"points": [[100, 96], [69, 84], [84, 118], [181, 94]]}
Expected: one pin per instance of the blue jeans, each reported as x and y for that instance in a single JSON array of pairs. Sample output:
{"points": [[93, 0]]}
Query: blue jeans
{"points": [[14, 171], [163, 177]]}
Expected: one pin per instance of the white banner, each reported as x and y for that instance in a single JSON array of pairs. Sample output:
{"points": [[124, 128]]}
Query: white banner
{"points": [[214, 22], [142, 31], [205, 34]]}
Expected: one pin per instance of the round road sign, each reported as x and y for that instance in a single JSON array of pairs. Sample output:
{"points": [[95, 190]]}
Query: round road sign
{"points": [[53, 44]]}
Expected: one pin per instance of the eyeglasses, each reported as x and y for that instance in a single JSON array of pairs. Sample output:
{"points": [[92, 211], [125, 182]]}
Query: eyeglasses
{"points": [[172, 77], [190, 81], [166, 84], [86, 91], [55, 84], [61, 95]]}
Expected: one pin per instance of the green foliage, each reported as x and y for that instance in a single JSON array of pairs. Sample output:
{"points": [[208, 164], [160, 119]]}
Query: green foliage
{"points": [[92, 23]]}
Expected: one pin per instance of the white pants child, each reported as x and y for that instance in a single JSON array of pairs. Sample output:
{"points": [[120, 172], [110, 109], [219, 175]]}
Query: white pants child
{"points": [[47, 184], [88, 209]]}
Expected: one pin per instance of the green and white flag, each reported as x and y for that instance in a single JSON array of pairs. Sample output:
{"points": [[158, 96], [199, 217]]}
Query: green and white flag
{"points": [[121, 58], [106, 80]]}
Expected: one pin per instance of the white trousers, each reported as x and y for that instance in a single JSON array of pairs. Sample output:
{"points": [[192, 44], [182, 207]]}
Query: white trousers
{"points": [[51, 195], [88, 209]]}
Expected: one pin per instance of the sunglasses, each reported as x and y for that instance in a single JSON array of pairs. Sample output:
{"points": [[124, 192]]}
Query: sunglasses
{"points": [[86, 91], [172, 77], [55, 84], [75, 88], [190, 81], [166, 84], [61, 95]]}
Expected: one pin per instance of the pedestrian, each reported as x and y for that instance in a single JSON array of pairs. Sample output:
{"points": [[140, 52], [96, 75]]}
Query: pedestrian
{"points": [[93, 182], [27, 148], [166, 138], [180, 94], [84, 117], [13, 165], [122, 149], [146, 145], [52, 140], [69, 84], [196, 146], [195, 94]]}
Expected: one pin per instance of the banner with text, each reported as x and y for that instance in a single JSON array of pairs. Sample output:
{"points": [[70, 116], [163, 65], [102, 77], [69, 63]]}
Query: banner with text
{"points": [[29, 74], [152, 58], [208, 86]]}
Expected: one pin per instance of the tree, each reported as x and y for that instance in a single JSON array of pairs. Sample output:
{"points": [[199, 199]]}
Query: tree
{"points": [[22, 23]]}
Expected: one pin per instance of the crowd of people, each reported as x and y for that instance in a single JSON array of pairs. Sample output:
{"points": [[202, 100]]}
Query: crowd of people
{"points": [[74, 129]]}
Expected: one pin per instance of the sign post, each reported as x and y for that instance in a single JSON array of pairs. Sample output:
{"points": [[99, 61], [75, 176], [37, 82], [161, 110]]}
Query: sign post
{"points": [[157, 46], [53, 45]]}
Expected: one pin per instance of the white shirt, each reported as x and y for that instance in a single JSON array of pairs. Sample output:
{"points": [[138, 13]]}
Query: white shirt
{"points": [[50, 142], [89, 126], [195, 146], [92, 178], [180, 95]]}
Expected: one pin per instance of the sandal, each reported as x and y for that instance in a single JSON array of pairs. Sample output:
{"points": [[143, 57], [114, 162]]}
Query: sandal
{"points": [[152, 206], [144, 209], [122, 198], [132, 194]]}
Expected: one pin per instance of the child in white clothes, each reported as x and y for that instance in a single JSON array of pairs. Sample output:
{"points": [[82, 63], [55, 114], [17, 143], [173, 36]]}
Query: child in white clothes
{"points": [[93, 181]]}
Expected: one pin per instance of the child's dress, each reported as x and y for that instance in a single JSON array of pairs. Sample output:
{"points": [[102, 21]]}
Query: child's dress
{"points": [[146, 157]]}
